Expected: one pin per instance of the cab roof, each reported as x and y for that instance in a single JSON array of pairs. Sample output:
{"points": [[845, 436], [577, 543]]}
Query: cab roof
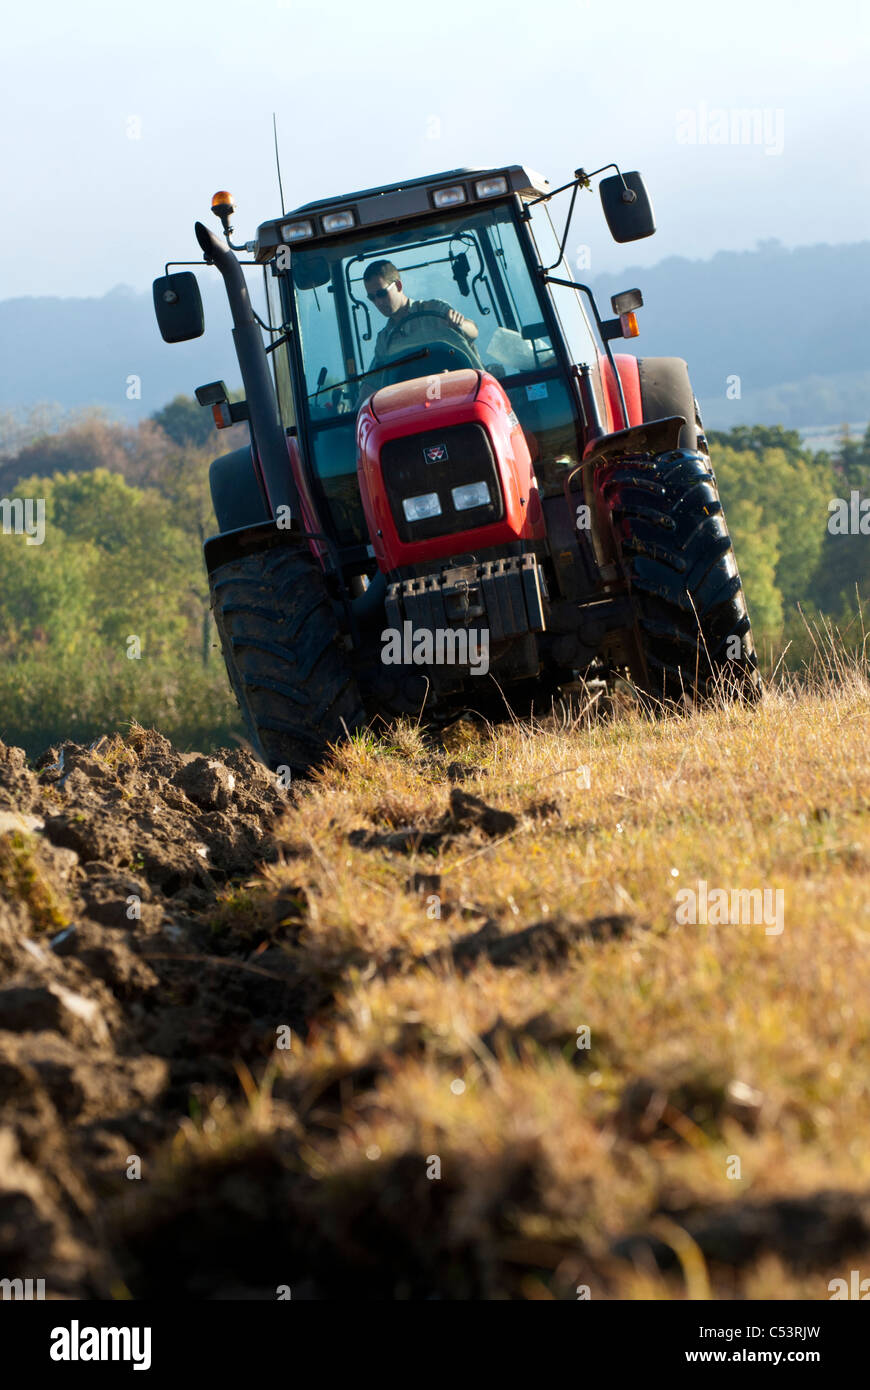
{"points": [[394, 202]]}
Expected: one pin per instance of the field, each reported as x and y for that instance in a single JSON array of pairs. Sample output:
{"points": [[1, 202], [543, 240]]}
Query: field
{"points": [[457, 1035]]}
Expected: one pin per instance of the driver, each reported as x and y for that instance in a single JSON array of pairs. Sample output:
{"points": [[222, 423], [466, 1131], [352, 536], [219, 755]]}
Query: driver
{"points": [[384, 289]]}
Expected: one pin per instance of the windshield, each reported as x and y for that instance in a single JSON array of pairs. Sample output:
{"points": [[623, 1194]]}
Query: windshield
{"points": [[447, 294], [471, 264]]}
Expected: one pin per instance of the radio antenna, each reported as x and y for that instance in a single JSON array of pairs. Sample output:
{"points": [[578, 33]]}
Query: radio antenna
{"points": [[278, 161]]}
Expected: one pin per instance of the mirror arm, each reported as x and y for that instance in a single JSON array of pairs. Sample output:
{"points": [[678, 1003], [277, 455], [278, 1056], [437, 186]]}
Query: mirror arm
{"points": [[612, 328], [169, 263], [602, 329], [580, 180], [563, 243]]}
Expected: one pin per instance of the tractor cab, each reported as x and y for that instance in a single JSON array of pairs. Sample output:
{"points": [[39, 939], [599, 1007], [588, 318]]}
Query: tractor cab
{"points": [[462, 241]]}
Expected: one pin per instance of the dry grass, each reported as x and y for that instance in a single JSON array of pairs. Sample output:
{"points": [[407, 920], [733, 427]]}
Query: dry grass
{"points": [[444, 1033]]}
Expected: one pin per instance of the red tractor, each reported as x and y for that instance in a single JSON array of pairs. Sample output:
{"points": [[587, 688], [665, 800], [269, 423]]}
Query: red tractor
{"points": [[456, 495]]}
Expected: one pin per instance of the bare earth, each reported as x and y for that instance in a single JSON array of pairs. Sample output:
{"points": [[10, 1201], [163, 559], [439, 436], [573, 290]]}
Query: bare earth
{"points": [[430, 1026]]}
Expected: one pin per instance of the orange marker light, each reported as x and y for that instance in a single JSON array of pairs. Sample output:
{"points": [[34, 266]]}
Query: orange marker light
{"points": [[222, 199], [629, 324]]}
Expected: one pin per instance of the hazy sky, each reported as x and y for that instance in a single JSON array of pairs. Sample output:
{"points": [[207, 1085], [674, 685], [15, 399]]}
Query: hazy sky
{"points": [[118, 121]]}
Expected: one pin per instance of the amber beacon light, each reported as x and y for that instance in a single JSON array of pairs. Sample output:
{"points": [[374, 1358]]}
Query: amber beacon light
{"points": [[222, 206]]}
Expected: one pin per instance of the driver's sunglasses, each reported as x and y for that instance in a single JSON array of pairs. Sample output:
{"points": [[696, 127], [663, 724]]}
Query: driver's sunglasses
{"points": [[381, 294]]}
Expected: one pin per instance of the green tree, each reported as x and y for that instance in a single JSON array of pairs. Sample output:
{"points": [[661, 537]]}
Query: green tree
{"points": [[852, 458], [769, 468], [843, 580], [756, 548], [117, 561], [185, 421], [132, 566]]}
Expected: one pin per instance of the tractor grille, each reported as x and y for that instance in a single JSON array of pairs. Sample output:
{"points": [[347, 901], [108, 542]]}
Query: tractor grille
{"points": [[437, 462]]}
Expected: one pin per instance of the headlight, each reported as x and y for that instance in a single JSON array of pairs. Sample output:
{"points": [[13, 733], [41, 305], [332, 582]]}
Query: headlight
{"points": [[449, 197], [338, 221], [470, 495], [296, 231], [489, 188], [419, 508]]}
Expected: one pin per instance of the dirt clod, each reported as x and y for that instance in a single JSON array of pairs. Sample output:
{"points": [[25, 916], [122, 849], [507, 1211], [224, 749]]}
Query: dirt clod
{"points": [[112, 996]]}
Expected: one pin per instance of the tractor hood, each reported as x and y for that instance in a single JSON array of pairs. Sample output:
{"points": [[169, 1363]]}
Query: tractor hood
{"points": [[402, 403], [453, 442]]}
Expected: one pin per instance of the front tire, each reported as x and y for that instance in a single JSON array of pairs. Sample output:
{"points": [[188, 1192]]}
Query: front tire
{"points": [[282, 647], [692, 634]]}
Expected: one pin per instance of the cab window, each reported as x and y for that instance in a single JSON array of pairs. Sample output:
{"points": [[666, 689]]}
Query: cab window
{"points": [[472, 261]]}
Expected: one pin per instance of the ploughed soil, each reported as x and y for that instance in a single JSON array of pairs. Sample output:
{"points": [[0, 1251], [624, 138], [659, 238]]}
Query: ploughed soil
{"points": [[118, 1002], [165, 918]]}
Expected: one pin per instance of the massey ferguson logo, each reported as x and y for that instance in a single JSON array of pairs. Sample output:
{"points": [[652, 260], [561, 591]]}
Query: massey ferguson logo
{"points": [[435, 453]]}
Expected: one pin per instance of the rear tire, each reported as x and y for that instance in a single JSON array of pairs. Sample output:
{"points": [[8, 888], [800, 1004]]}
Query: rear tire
{"points": [[692, 634], [282, 647]]}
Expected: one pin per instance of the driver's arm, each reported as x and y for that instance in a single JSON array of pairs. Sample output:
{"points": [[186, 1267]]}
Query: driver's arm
{"points": [[467, 326], [456, 320]]}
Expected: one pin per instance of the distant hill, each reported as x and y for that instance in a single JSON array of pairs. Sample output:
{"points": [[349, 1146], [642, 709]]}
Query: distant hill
{"points": [[789, 323], [80, 352]]}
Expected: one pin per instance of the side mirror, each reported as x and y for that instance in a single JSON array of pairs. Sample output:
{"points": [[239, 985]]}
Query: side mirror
{"points": [[178, 307], [627, 207]]}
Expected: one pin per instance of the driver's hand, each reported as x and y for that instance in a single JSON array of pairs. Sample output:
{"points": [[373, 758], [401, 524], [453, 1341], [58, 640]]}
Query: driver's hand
{"points": [[467, 327]]}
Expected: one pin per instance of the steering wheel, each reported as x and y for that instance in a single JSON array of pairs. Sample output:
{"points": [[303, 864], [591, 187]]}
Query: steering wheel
{"points": [[437, 357], [446, 324]]}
